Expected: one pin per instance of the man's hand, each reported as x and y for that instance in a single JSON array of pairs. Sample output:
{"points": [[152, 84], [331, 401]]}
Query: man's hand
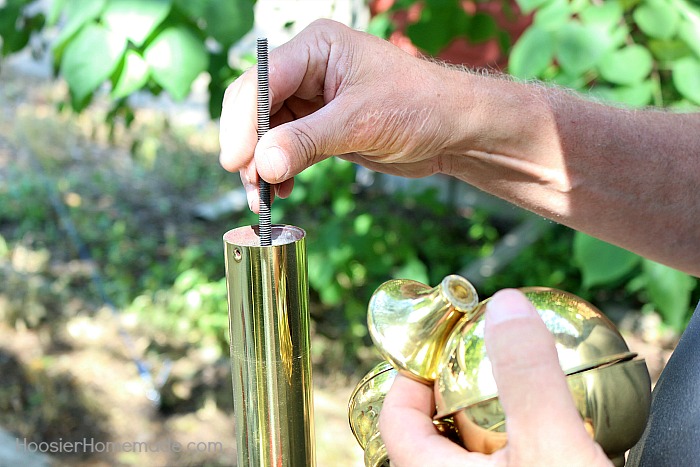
{"points": [[339, 92], [544, 428]]}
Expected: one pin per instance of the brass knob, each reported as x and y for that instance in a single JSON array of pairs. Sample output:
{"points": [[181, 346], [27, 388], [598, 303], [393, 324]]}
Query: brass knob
{"points": [[409, 322], [436, 336]]}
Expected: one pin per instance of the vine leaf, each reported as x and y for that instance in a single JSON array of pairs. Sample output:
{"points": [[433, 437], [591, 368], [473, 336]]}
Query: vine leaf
{"points": [[686, 78], [601, 262], [636, 95], [78, 13], [669, 291], [90, 59], [532, 54], [438, 26], [605, 16], [579, 47], [628, 65], [135, 19], [656, 19], [226, 22], [176, 57], [133, 76]]}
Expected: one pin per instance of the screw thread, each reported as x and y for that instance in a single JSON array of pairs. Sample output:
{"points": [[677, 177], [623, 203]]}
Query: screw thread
{"points": [[265, 220]]}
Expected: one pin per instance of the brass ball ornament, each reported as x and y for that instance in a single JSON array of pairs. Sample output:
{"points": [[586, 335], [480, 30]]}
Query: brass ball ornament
{"points": [[435, 335]]}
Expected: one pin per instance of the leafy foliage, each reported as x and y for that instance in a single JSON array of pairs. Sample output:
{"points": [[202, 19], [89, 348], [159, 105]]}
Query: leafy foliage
{"points": [[440, 23], [134, 45]]}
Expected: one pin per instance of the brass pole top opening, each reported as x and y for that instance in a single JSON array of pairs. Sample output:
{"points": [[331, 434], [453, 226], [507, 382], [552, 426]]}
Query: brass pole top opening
{"points": [[249, 235]]}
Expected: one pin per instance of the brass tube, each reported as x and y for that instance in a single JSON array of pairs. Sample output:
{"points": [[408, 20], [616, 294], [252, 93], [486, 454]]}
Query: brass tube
{"points": [[270, 347]]}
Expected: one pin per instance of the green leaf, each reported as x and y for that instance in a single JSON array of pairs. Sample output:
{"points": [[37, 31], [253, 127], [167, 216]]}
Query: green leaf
{"points": [[554, 15], [669, 291], [413, 269], [343, 206], [482, 28], [568, 81], [669, 50], [579, 48], [362, 224], [439, 24], [176, 57], [690, 33], [135, 20], [228, 21], [532, 54], [14, 32], [78, 13], [683, 106], [133, 76], [637, 95], [54, 12], [619, 36], [601, 262], [381, 25], [605, 16], [90, 58], [686, 78], [629, 65], [657, 19], [527, 6]]}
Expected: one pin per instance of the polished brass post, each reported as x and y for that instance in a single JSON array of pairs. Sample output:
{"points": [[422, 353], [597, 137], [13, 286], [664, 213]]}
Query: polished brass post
{"points": [[270, 347]]}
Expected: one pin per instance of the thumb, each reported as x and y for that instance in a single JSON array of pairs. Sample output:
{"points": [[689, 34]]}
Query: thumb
{"points": [[539, 408], [288, 149]]}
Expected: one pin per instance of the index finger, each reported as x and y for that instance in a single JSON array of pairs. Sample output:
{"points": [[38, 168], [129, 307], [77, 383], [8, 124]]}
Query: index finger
{"points": [[406, 427], [297, 67]]}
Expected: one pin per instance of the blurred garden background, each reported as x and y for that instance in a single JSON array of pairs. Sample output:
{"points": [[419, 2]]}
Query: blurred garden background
{"points": [[113, 320]]}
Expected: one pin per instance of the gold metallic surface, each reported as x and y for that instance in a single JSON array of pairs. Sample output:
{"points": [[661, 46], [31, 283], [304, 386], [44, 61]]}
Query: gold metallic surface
{"points": [[409, 321], [367, 399], [270, 347], [365, 404], [613, 402], [584, 338], [611, 390]]}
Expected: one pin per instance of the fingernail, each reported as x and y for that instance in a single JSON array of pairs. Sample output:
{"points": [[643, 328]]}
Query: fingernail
{"points": [[507, 305], [276, 163], [250, 195]]}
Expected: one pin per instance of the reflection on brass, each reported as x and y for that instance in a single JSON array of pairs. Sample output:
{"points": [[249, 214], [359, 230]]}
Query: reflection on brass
{"points": [[270, 347], [584, 338], [611, 389], [366, 402], [409, 321], [613, 402]]}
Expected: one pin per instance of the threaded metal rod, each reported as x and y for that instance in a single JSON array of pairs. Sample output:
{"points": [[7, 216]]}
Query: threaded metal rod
{"points": [[265, 221]]}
